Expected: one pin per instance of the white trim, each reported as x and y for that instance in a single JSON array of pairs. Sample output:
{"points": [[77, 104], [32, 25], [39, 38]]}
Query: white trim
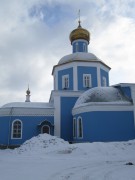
{"points": [[12, 128], [132, 87], [74, 128], [57, 116], [72, 64], [80, 40], [79, 118], [27, 111], [44, 126], [90, 107]]}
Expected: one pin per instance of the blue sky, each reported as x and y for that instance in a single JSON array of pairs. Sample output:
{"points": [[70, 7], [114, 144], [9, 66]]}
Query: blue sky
{"points": [[34, 35]]}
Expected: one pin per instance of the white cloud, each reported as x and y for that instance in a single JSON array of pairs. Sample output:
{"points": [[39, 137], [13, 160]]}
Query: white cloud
{"points": [[31, 44]]}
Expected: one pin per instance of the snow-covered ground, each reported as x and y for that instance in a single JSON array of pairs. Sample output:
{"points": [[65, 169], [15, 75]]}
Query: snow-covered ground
{"points": [[46, 157]]}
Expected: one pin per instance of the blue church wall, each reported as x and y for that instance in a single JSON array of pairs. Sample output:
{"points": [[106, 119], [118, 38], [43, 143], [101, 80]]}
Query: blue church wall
{"points": [[78, 46], [67, 104], [4, 129], [107, 126], [69, 72], [104, 74], [30, 128], [86, 70]]}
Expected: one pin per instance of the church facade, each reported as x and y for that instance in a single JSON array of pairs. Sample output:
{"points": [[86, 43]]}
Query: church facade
{"points": [[82, 107]]}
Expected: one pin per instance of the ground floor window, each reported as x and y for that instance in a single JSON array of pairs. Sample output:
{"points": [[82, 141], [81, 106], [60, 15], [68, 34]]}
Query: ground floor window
{"points": [[80, 127], [74, 127], [17, 129], [45, 129]]}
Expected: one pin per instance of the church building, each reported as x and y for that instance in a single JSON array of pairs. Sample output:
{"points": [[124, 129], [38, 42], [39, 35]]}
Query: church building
{"points": [[82, 106]]}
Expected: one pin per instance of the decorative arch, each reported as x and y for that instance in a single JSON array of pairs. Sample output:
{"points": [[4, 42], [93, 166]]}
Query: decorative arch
{"points": [[46, 127], [16, 132]]}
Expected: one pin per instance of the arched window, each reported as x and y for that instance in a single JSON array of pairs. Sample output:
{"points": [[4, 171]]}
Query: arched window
{"points": [[76, 47], [16, 129], [74, 127], [65, 81], [84, 47], [87, 80], [104, 82], [45, 129], [80, 127]]}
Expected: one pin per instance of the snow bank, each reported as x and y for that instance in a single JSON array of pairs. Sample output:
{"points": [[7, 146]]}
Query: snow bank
{"points": [[44, 143]]}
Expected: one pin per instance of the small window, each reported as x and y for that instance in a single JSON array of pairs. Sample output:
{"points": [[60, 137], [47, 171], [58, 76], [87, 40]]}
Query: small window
{"points": [[84, 47], [65, 82], [80, 128], [45, 129], [76, 47], [74, 127], [87, 80], [104, 82], [17, 129]]}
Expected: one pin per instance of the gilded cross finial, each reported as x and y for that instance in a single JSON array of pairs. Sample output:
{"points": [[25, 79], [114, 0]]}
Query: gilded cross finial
{"points": [[79, 21]]}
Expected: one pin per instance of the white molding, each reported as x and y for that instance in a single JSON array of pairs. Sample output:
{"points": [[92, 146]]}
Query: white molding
{"points": [[71, 64], [67, 93], [80, 40], [57, 116], [90, 107], [12, 128], [26, 112]]}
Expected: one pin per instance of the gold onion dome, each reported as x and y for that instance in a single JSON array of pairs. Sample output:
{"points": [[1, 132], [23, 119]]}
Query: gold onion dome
{"points": [[79, 33]]}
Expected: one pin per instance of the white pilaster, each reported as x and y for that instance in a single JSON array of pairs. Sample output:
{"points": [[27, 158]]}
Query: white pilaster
{"points": [[57, 116], [133, 97]]}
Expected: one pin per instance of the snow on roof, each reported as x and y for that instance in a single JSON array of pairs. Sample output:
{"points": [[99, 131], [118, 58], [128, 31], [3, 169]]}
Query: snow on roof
{"points": [[28, 105], [101, 94], [78, 56]]}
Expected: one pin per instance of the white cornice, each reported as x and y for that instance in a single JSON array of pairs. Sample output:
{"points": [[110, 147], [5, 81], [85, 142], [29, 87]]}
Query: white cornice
{"points": [[26, 112], [90, 107]]}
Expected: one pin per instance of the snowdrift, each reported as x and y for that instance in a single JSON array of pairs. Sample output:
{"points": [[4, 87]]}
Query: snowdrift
{"points": [[44, 143]]}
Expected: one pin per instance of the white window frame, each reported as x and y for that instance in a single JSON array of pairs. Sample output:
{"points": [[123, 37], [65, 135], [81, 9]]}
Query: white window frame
{"points": [[12, 132], [87, 83], [104, 81], [74, 127], [78, 127], [43, 127], [65, 81]]}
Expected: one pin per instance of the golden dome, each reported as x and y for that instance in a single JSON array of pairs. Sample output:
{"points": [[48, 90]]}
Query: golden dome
{"points": [[79, 33]]}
